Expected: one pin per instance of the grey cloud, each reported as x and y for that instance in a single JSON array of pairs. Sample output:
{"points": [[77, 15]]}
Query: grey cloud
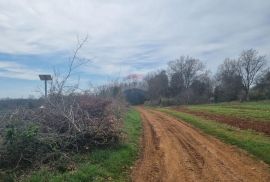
{"points": [[123, 34]]}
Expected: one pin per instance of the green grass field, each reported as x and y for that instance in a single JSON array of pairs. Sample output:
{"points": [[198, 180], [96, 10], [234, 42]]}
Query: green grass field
{"points": [[101, 164], [259, 111], [254, 143]]}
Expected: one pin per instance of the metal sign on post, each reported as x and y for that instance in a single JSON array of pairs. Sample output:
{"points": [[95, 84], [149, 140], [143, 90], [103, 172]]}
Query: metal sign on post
{"points": [[45, 78]]}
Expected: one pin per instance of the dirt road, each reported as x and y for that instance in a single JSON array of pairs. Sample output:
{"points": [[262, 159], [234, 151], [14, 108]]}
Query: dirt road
{"points": [[175, 151]]}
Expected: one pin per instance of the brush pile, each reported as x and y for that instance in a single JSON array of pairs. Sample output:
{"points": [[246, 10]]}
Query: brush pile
{"points": [[63, 125]]}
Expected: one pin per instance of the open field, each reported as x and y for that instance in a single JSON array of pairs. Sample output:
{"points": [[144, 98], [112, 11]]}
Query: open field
{"points": [[252, 115], [101, 164], [174, 150], [258, 111]]}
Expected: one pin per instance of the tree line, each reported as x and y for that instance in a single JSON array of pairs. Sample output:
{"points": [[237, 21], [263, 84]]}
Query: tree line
{"points": [[187, 81]]}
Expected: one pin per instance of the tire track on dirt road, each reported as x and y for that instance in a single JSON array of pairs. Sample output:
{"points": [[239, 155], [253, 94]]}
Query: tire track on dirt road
{"points": [[175, 151]]}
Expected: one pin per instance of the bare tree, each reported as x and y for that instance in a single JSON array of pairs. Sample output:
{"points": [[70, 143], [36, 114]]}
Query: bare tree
{"points": [[157, 85], [188, 69], [201, 89], [176, 84], [59, 84], [261, 90], [250, 63], [228, 81]]}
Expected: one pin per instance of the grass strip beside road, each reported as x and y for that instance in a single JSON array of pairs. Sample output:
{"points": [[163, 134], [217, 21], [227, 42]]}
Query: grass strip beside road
{"points": [[254, 143], [111, 164]]}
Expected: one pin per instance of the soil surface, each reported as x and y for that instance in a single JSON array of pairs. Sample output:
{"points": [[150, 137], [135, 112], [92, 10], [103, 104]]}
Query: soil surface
{"points": [[175, 151], [242, 123]]}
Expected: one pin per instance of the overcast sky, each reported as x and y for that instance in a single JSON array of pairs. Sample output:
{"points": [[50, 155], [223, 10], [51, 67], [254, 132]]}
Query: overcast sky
{"points": [[124, 36]]}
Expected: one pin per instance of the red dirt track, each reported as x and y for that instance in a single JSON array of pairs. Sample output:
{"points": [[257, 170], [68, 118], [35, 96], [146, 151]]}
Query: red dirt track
{"points": [[175, 151]]}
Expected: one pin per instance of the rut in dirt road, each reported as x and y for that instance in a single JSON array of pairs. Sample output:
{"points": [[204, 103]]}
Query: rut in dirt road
{"points": [[175, 151]]}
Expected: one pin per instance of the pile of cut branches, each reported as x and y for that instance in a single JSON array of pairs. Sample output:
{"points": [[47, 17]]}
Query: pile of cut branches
{"points": [[63, 125]]}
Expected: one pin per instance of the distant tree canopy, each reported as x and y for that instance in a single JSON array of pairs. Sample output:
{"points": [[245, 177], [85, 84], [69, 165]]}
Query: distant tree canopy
{"points": [[262, 87], [229, 83], [187, 81], [249, 65], [176, 84], [158, 85], [10, 104], [135, 96], [187, 69]]}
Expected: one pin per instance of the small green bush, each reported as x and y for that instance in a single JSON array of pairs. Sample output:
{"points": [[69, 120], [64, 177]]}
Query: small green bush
{"points": [[22, 145]]}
